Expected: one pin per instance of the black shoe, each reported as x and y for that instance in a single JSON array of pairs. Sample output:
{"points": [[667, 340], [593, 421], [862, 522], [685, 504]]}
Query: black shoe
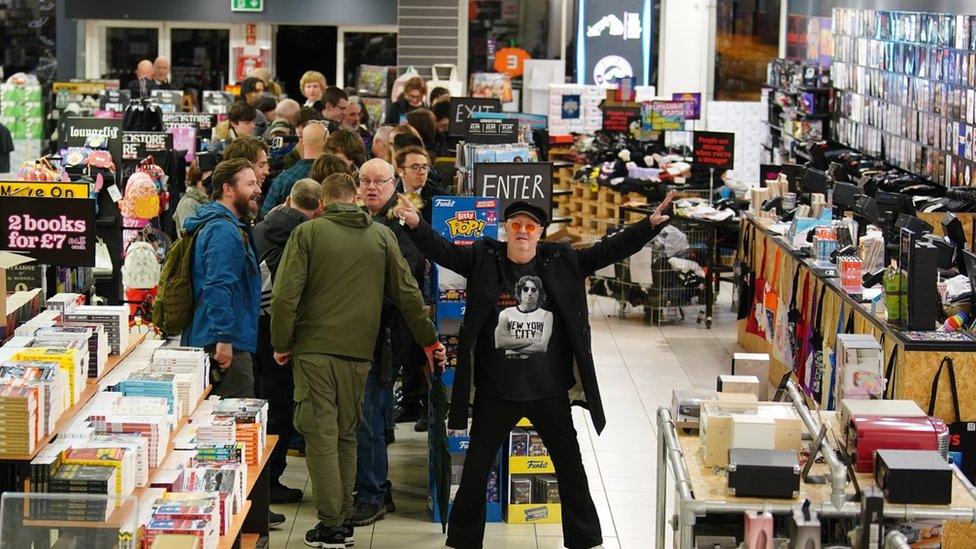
{"points": [[421, 425], [327, 537], [388, 501], [390, 437], [407, 416], [275, 519], [367, 513], [347, 531], [283, 494]]}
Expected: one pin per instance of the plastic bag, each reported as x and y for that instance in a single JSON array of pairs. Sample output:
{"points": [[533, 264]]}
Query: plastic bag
{"points": [[671, 241]]}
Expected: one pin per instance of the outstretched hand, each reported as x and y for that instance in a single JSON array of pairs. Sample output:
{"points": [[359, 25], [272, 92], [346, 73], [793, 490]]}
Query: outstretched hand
{"points": [[406, 211], [658, 216]]}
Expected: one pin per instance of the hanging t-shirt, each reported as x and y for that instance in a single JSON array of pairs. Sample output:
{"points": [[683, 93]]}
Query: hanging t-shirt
{"points": [[522, 351]]}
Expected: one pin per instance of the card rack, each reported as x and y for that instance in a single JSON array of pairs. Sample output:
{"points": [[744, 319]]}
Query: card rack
{"points": [[906, 90]]}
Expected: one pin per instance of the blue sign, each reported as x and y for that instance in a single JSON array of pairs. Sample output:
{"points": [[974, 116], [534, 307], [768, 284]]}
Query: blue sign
{"points": [[572, 105]]}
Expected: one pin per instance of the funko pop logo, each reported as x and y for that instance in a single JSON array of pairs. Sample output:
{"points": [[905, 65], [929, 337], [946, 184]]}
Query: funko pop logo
{"points": [[535, 464], [444, 202], [466, 224]]}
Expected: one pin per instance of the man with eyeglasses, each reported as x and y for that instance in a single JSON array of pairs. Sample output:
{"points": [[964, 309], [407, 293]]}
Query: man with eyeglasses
{"points": [[395, 345], [526, 326], [414, 167]]}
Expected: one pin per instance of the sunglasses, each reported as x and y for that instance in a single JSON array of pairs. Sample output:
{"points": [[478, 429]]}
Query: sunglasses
{"points": [[530, 289], [518, 226]]}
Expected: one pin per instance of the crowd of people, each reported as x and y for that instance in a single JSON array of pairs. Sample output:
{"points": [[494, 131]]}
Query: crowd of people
{"points": [[312, 283]]}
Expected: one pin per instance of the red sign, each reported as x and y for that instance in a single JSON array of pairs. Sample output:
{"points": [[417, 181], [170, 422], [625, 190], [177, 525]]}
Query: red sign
{"points": [[618, 119], [715, 150], [251, 34]]}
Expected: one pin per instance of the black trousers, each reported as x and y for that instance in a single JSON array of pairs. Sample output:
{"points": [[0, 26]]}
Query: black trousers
{"points": [[277, 386], [493, 421], [409, 360]]}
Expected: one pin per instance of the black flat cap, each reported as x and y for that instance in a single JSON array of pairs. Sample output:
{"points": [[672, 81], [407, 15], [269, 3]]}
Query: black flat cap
{"points": [[529, 209]]}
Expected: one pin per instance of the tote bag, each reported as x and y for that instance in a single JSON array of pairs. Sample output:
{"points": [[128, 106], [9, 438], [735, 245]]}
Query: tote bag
{"points": [[445, 76], [801, 330], [770, 300], [962, 434], [745, 276], [756, 311], [815, 357], [784, 335]]}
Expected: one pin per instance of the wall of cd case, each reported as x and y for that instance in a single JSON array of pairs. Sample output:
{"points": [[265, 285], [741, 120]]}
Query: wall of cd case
{"points": [[906, 90]]}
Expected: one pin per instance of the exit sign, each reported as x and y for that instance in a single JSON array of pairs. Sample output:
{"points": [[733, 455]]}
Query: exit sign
{"points": [[246, 5]]}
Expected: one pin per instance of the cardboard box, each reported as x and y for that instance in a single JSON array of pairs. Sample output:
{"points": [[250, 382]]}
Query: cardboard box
{"points": [[717, 429], [739, 384], [753, 431], [753, 364]]}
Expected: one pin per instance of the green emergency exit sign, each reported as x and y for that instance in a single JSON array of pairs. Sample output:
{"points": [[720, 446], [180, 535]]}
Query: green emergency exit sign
{"points": [[246, 5]]}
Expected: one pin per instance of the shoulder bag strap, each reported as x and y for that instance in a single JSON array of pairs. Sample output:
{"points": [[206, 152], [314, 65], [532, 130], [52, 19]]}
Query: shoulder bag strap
{"points": [[796, 280], [946, 362], [820, 312]]}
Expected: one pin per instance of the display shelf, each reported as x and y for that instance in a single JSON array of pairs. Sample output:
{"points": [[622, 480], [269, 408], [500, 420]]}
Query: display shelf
{"points": [[249, 541], [91, 387], [702, 491], [254, 471], [229, 539]]}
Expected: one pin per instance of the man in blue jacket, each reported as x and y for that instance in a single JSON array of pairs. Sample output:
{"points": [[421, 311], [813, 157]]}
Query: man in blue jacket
{"points": [[226, 278]]}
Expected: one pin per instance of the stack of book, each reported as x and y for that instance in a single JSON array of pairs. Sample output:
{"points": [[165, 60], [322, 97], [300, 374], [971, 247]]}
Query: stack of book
{"points": [[51, 382], [149, 384], [121, 461], [172, 512], [226, 481], [155, 429], [251, 418], [133, 444], [69, 360], [19, 410], [115, 319], [96, 337]]}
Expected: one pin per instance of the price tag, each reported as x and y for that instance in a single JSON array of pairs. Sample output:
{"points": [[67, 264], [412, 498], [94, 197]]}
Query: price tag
{"points": [[115, 193]]}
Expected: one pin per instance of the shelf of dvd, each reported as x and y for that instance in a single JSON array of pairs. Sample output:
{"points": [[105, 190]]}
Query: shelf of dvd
{"points": [[906, 90], [799, 100]]}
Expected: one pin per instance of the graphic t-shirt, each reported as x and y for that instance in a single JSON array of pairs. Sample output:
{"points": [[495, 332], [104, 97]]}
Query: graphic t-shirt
{"points": [[522, 351]]}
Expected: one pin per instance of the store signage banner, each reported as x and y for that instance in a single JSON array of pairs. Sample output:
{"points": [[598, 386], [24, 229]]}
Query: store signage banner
{"points": [[52, 231], [613, 40], [216, 101], [664, 116], [168, 100], [136, 146], [619, 119], [203, 122], [98, 133], [30, 189], [692, 103], [532, 121], [461, 109], [495, 131], [114, 100], [86, 88], [714, 150], [511, 181]]}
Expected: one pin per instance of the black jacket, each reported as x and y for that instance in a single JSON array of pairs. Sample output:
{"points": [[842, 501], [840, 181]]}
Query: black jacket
{"points": [[563, 271], [271, 235], [427, 194], [395, 345], [398, 108]]}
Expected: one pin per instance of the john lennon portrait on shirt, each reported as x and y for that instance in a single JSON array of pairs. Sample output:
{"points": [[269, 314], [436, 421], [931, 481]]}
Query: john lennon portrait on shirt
{"points": [[526, 328]]}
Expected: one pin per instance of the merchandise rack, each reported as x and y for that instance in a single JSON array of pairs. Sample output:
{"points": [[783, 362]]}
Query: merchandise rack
{"points": [[700, 492]]}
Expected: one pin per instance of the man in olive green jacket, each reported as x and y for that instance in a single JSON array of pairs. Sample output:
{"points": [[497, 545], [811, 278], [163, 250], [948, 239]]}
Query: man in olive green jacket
{"points": [[325, 313]]}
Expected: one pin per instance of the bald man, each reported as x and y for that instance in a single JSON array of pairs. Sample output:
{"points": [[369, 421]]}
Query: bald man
{"points": [[312, 145], [162, 76], [143, 85], [286, 116], [381, 143]]}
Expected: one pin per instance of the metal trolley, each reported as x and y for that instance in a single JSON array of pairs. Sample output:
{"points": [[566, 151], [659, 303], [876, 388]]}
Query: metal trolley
{"points": [[700, 492]]}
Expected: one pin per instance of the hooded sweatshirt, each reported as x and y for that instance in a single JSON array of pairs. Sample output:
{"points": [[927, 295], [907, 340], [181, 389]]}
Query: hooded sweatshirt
{"points": [[226, 281], [188, 206], [328, 294]]}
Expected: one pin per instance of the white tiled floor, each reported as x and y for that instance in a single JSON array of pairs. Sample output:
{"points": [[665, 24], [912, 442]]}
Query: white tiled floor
{"points": [[638, 366]]}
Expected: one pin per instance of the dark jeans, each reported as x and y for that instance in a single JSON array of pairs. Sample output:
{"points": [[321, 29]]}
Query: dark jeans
{"points": [[277, 386], [493, 420], [372, 464]]}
